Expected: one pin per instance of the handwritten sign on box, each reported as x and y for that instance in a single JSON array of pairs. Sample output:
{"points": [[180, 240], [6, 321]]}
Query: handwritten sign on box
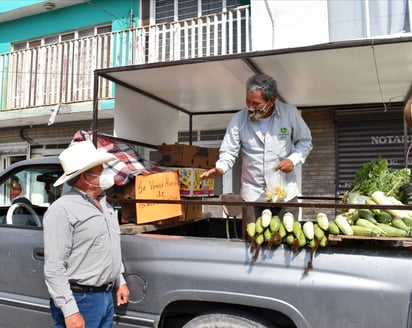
{"points": [[162, 186]]}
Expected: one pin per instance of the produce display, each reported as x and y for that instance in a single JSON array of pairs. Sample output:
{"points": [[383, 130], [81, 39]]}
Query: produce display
{"points": [[377, 176], [375, 184], [273, 230]]}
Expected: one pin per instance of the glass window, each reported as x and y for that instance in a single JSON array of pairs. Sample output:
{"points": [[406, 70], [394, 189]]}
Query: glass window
{"points": [[19, 46], [350, 19], [68, 36], [187, 9], [51, 39], [86, 32], [164, 10], [25, 195], [34, 43]]}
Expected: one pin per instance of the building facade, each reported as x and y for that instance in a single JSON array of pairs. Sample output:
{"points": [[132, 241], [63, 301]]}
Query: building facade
{"points": [[49, 50]]}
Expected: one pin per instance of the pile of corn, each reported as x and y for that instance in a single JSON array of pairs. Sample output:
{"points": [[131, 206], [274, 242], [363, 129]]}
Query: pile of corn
{"points": [[272, 230]]}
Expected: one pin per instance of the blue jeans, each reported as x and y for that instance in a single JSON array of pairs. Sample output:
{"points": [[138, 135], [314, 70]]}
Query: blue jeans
{"points": [[97, 310]]}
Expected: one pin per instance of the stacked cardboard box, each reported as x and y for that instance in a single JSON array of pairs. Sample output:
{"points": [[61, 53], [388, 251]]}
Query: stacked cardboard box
{"points": [[181, 155], [129, 210], [190, 183]]}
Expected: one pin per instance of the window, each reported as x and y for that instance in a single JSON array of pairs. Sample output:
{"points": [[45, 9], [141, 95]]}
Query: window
{"points": [[349, 19], [61, 37], [171, 10], [25, 195]]}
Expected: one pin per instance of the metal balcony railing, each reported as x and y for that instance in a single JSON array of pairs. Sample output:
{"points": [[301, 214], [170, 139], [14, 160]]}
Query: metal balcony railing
{"points": [[63, 72]]}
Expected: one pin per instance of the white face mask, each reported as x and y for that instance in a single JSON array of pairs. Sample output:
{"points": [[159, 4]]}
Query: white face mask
{"points": [[106, 179]]}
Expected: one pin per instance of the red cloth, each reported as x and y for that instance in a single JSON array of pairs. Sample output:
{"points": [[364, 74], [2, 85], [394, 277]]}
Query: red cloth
{"points": [[129, 163]]}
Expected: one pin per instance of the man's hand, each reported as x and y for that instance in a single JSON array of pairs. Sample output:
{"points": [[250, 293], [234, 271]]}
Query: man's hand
{"points": [[211, 174], [285, 165], [75, 321], [122, 295]]}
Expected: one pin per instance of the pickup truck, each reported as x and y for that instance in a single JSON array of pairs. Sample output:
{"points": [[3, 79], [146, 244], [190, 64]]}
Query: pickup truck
{"points": [[192, 275]]}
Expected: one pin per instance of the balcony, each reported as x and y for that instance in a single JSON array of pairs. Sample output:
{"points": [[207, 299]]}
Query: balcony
{"points": [[62, 73]]}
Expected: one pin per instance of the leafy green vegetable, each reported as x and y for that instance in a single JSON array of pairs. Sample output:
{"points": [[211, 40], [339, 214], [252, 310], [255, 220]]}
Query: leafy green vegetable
{"points": [[377, 176]]}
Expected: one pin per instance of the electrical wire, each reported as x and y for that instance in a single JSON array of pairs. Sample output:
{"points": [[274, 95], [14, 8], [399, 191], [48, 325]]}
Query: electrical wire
{"points": [[378, 77]]}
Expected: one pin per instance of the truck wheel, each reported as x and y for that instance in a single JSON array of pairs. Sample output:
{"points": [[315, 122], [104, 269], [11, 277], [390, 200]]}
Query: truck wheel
{"points": [[227, 320]]}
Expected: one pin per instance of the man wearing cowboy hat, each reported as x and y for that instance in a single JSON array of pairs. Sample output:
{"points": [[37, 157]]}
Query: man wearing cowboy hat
{"points": [[82, 243]]}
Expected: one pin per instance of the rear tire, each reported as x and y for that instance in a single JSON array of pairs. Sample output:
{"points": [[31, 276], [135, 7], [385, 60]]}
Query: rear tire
{"points": [[227, 320]]}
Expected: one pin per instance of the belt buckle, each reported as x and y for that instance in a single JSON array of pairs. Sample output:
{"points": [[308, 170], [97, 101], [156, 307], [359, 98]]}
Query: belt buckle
{"points": [[109, 285]]}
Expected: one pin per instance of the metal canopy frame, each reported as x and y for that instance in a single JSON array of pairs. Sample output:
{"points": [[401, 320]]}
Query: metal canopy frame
{"points": [[334, 75]]}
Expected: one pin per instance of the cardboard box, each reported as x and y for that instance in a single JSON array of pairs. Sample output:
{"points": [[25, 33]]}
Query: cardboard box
{"points": [[129, 213], [182, 155], [192, 212], [190, 183]]}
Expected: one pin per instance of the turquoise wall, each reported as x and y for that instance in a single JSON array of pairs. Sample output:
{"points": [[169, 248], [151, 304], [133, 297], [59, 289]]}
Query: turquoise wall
{"points": [[66, 19]]}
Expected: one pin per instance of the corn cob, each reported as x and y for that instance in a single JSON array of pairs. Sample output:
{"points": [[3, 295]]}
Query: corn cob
{"points": [[267, 234], [290, 238], [311, 243], [318, 232], [251, 229], [274, 223], [259, 239], [297, 228], [333, 228], [266, 217], [343, 225], [322, 221], [324, 241], [308, 230], [282, 230], [259, 227], [288, 220], [301, 239]]}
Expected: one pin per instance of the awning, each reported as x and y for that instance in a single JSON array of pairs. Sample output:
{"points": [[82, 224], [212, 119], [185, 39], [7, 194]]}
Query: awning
{"points": [[337, 74]]}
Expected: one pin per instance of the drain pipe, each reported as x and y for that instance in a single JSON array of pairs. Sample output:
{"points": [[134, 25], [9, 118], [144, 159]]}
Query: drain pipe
{"points": [[28, 140], [273, 23]]}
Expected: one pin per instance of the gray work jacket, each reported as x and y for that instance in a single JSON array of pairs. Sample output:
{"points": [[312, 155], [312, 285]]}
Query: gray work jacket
{"points": [[287, 136]]}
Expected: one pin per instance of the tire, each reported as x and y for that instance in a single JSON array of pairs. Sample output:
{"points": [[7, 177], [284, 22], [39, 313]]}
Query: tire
{"points": [[227, 320]]}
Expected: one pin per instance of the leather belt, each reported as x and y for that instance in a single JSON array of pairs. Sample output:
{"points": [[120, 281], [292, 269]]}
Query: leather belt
{"points": [[76, 288]]}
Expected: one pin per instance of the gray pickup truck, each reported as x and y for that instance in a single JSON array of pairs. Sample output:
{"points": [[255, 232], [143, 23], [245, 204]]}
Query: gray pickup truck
{"points": [[192, 276]]}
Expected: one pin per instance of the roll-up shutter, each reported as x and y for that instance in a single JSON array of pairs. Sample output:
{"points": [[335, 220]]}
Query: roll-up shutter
{"points": [[365, 134]]}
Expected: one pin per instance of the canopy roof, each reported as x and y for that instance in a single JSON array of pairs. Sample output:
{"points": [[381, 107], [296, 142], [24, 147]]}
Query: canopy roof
{"points": [[346, 73], [356, 72]]}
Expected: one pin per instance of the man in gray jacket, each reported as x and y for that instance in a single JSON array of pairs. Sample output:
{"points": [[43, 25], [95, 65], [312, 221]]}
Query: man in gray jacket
{"points": [[272, 138]]}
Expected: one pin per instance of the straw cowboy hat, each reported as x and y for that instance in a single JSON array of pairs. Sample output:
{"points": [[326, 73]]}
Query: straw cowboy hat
{"points": [[80, 157]]}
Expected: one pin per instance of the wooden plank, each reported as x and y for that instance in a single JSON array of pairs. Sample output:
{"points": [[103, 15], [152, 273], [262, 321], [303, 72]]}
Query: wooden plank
{"points": [[134, 229], [400, 241]]}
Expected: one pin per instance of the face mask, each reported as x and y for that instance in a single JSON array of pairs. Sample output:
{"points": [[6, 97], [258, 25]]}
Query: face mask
{"points": [[255, 114], [106, 180]]}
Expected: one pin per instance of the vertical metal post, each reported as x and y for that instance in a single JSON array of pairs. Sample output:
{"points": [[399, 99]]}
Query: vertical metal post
{"points": [[95, 107]]}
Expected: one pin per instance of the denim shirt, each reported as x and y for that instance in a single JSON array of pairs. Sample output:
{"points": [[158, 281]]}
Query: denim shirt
{"points": [[287, 136]]}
